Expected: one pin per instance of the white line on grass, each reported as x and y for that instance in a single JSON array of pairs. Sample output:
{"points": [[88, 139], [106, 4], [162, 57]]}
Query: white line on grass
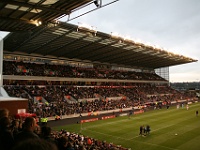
{"points": [[117, 137], [136, 118], [134, 141]]}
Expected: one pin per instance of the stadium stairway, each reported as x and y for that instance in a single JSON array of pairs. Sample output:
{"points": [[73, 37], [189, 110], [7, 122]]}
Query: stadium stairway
{"points": [[3, 93]]}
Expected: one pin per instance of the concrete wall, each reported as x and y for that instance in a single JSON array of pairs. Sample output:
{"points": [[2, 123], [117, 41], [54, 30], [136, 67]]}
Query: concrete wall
{"points": [[14, 105]]}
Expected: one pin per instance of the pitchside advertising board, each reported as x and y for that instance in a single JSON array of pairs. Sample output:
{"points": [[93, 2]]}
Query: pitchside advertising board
{"points": [[135, 113], [22, 114], [111, 116]]}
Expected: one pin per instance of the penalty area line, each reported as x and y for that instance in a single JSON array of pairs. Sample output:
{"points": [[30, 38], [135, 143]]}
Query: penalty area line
{"points": [[132, 139]]}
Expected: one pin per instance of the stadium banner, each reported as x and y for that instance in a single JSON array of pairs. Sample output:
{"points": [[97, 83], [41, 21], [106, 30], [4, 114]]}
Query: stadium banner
{"points": [[37, 99], [22, 69], [181, 101], [139, 112], [114, 98], [174, 102], [89, 120], [93, 113], [24, 115], [123, 114], [40, 100], [88, 99], [70, 99], [108, 117]]}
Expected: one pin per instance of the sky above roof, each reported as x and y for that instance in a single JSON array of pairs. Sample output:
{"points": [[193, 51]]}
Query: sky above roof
{"points": [[171, 24]]}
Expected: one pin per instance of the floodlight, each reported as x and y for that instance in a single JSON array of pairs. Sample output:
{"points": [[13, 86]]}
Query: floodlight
{"points": [[115, 34], [97, 3], [38, 22]]}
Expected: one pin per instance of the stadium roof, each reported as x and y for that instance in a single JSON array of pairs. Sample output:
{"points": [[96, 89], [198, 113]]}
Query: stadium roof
{"points": [[36, 31], [24, 15], [80, 42]]}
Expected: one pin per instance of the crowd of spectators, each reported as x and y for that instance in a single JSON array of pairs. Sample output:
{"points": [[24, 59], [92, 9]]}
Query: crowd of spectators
{"points": [[26, 134], [68, 99], [50, 70], [104, 98]]}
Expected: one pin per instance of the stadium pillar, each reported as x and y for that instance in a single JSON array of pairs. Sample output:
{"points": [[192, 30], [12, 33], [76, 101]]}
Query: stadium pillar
{"points": [[1, 63]]}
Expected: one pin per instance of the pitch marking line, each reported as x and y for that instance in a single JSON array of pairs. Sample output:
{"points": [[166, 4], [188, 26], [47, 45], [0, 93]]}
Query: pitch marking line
{"points": [[135, 141]]}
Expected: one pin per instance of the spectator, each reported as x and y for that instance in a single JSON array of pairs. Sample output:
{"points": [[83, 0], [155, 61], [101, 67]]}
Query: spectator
{"points": [[4, 112], [46, 134], [6, 136], [62, 143], [15, 127], [35, 144], [27, 131]]}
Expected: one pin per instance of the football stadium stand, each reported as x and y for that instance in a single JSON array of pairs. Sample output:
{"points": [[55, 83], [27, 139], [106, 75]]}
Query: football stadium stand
{"points": [[56, 70]]}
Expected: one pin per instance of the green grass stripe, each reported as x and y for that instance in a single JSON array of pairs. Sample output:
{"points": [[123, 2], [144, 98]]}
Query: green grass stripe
{"points": [[164, 125]]}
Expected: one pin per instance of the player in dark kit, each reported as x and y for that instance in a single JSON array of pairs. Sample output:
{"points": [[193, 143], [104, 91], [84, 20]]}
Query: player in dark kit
{"points": [[197, 112], [141, 130], [148, 129], [130, 114]]}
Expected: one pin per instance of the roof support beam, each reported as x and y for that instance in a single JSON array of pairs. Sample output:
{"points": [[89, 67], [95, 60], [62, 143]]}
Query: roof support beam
{"points": [[1, 63], [34, 6]]}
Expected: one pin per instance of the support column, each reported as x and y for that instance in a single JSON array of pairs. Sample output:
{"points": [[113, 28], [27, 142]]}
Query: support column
{"points": [[1, 63]]}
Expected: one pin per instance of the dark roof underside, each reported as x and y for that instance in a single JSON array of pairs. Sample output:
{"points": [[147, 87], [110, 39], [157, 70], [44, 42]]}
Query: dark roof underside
{"points": [[64, 41], [23, 15], [67, 41]]}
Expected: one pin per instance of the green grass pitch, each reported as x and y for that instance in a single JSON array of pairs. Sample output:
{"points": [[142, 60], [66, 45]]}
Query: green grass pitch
{"points": [[164, 123]]}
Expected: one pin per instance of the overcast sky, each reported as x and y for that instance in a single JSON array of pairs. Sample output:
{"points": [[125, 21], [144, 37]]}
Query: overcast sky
{"points": [[171, 24]]}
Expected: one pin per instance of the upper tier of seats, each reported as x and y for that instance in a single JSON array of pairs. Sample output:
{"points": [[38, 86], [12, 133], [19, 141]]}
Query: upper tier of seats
{"points": [[33, 69]]}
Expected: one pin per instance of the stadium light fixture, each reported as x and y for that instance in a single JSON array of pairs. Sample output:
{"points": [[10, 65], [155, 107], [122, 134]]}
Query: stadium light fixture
{"points": [[138, 41], [128, 38], [87, 27], [38, 23], [148, 44], [115, 35], [165, 49], [98, 3], [35, 22], [156, 47]]}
